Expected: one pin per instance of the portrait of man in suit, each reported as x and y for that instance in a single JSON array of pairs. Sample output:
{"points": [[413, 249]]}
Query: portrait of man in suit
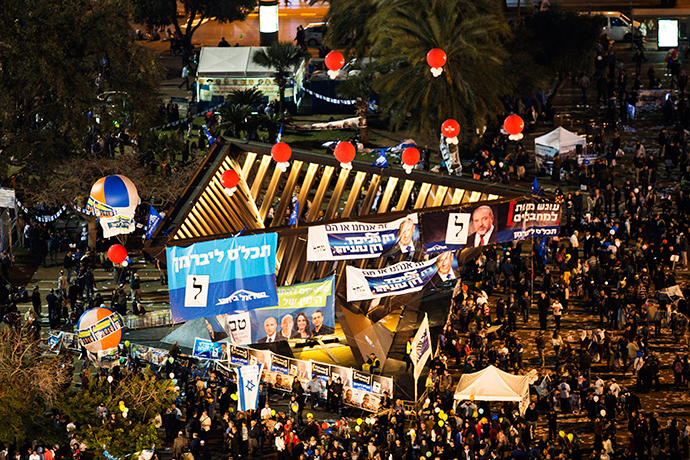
{"points": [[270, 326], [484, 230], [406, 243], [286, 331], [444, 265]]}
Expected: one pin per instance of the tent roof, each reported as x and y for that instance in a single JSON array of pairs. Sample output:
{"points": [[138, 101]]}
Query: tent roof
{"points": [[560, 137], [231, 62], [492, 384], [186, 334]]}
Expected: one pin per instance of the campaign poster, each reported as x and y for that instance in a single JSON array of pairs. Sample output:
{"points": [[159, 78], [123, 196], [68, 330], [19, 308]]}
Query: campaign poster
{"points": [[401, 278], [70, 341], [206, 349], [305, 310], [262, 357], [342, 373], [238, 326], [322, 372], [300, 369], [366, 390], [239, 356], [278, 373], [489, 224], [363, 240], [222, 276]]}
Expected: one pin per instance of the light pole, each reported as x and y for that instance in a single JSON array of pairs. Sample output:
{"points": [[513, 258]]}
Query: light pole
{"points": [[268, 22]]}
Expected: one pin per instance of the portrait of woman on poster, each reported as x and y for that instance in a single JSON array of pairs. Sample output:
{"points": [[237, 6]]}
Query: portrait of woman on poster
{"points": [[302, 326]]}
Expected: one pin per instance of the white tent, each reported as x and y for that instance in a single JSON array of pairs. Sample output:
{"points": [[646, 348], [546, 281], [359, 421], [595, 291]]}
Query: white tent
{"points": [[560, 140], [224, 69], [492, 384]]}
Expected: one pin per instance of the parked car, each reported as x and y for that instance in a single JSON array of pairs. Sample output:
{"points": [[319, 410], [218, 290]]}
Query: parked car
{"points": [[618, 26], [314, 33]]}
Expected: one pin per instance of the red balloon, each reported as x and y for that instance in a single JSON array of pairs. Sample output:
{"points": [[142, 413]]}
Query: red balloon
{"points": [[324, 425], [450, 128], [337, 423], [230, 179], [117, 253], [334, 60], [281, 152], [513, 124], [436, 58], [345, 152], [410, 156]]}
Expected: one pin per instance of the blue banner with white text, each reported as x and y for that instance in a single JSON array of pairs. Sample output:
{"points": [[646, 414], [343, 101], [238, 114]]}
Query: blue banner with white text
{"points": [[222, 276]]}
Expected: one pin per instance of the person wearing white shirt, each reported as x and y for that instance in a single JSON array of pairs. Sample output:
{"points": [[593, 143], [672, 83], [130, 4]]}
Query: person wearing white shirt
{"points": [[266, 412], [599, 387], [615, 389]]}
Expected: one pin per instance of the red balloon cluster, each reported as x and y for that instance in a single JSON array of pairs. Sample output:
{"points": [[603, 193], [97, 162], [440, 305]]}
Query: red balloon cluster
{"points": [[450, 128], [345, 152], [514, 125], [436, 58], [117, 253], [229, 179], [334, 61], [410, 158], [281, 152]]}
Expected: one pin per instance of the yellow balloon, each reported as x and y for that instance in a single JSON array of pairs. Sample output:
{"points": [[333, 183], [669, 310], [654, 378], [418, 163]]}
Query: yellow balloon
{"points": [[472, 398], [233, 396], [570, 437], [440, 423], [294, 408], [493, 163], [359, 421], [475, 414], [273, 412], [561, 433]]}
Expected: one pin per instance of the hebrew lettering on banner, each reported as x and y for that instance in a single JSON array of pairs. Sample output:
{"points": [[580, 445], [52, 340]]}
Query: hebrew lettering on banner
{"points": [[361, 240], [477, 226], [304, 310], [222, 276]]}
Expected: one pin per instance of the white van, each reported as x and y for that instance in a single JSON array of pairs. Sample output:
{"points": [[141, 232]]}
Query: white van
{"points": [[618, 26]]}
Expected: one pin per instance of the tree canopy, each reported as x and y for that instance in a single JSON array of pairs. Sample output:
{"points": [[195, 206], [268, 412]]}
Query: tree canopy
{"points": [[68, 69]]}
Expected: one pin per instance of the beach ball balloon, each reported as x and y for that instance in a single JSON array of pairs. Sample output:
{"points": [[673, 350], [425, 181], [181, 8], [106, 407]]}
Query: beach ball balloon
{"points": [[114, 195], [99, 329]]}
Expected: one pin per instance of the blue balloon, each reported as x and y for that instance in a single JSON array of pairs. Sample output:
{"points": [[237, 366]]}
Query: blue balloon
{"points": [[494, 417], [329, 431], [310, 453], [639, 354], [607, 244], [481, 411]]}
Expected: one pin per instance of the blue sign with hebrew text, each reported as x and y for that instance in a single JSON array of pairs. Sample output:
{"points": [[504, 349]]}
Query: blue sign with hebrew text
{"points": [[222, 276]]}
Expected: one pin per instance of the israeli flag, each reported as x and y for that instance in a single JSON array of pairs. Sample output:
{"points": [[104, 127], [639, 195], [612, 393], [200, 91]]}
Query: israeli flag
{"points": [[211, 139], [280, 133], [295, 214], [248, 379], [535, 187]]}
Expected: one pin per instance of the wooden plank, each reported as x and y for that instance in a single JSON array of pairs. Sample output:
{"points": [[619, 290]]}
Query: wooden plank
{"points": [[337, 194], [305, 189], [423, 194], [248, 163], [258, 180], [355, 193], [320, 193], [439, 195], [387, 194], [269, 197], [368, 201], [405, 195], [286, 197]]}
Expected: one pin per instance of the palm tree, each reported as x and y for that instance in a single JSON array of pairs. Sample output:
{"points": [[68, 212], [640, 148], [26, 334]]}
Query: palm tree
{"points": [[360, 88], [470, 33], [250, 96], [347, 20], [283, 57], [234, 119]]}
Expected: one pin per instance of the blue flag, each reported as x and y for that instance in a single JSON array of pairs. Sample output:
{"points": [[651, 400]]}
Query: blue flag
{"points": [[535, 186], [152, 223], [248, 379], [381, 160], [211, 139], [295, 214], [541, 249], [280, 133]]}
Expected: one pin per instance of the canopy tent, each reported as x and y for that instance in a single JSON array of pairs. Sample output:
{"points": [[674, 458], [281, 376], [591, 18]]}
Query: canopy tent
{"points": [[561, 141], [492, 384], [222, 70]]}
